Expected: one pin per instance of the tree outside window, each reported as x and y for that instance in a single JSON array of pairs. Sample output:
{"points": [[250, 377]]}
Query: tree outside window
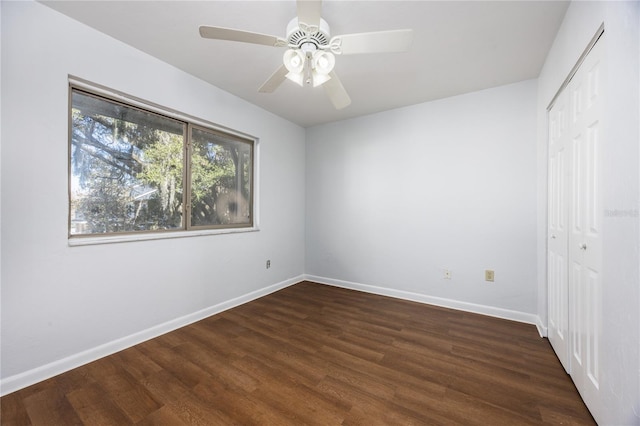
{"points": [[133, 171]]}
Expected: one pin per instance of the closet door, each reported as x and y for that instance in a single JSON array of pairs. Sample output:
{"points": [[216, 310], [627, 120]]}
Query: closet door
{"points": [[558, 235], [575, 226], [585, 237]]}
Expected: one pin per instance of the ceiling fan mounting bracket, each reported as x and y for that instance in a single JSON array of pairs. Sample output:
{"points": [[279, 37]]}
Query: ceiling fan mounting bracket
{"points": [[299, 33]]}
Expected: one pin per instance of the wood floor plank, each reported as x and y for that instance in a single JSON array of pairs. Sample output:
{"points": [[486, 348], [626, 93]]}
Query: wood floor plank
{"points": [[218, 368], [243, 408], [94, 407], [364, 410], [481, 412], [318, 355], [123, 389], [47, 407], [137, 364], [297, 401], [15, 412], [182, 402], [162, 417], [170, 361]]}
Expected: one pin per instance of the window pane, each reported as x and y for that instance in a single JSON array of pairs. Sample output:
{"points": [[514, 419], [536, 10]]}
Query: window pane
{"points": [[126, 168], [221, 168]]}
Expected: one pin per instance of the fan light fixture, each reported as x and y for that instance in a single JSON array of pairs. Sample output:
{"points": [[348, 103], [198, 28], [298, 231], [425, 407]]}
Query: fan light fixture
{"points": [[308, 65], [294, 60], [311, 48]]}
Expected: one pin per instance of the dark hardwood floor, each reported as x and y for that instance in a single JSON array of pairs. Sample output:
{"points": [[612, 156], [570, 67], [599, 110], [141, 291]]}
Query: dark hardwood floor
{"points": [[315, 354]]}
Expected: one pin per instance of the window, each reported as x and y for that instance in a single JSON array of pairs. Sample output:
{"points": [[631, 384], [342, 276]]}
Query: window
{"points": [[134, 170]]}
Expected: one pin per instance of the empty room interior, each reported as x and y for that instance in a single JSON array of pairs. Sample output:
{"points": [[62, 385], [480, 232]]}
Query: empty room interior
{"points": [[336, 212]]}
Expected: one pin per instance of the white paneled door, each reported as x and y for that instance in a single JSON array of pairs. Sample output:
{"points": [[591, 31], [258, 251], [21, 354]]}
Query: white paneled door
{"points": [[558, 278], [585, 239], [575, 226]]}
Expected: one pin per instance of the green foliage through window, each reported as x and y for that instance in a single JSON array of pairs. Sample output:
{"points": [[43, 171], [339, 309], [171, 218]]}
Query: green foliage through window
{"points": [[137, 171]]}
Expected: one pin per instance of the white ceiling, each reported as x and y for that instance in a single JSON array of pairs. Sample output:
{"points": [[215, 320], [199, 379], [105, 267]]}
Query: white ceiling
{"points": [[458, 47]]}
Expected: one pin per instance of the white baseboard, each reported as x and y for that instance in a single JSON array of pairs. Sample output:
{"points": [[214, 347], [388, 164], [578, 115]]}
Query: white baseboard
{"points": [[38, 374], [542, 329], [437, 301]]}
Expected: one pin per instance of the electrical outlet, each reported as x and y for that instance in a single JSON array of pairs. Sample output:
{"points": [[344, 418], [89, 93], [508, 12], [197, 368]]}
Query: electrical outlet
{"points": [[489, 275], [268, 264], [447, 274]]}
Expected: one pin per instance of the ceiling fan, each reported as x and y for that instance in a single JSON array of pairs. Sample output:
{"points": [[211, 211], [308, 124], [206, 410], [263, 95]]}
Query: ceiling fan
{"points": [[310, 57]]}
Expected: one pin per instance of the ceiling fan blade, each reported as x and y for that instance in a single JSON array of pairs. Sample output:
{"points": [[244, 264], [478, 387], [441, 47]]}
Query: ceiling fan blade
{"points": [[219, 33], [276, 79], [374, 42], [336, 92], [309, 13]]}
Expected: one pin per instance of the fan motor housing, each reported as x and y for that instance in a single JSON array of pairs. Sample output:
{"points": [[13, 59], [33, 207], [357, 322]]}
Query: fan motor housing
{"points": [[297, 36]]}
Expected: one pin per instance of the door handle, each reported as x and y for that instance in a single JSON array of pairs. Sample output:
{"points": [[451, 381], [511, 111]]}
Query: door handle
{"points": [[583, 246], [553, 237]]}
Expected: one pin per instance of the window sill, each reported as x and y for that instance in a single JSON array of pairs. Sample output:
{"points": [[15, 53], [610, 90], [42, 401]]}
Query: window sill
{"points": [[87, 241]]}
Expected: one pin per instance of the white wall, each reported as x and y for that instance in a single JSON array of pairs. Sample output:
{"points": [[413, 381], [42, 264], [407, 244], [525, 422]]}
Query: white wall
{"points": [[392, 200], [620, 363], [59, 301], [395, 198]]}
